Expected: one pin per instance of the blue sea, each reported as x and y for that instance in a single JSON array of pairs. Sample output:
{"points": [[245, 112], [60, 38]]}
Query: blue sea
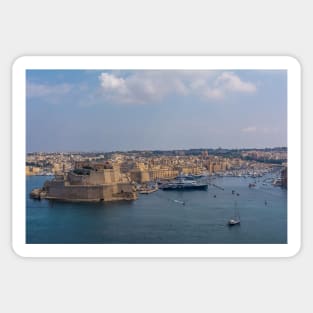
{"points": [[161, 217]]}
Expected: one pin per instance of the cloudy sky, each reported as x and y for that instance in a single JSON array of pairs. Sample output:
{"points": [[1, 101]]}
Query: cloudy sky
{"points": [[88, 110]]}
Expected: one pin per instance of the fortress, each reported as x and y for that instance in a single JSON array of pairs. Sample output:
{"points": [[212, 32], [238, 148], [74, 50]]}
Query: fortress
{"points": [[88, 182]]}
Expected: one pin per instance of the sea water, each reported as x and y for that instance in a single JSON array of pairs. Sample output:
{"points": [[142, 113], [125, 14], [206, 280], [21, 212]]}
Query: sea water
{"points": [[195, 216]]}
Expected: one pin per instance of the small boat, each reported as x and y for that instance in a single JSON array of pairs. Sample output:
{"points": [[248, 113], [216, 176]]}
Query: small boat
{"points": [[146, 189], [235, 220], [238, 194], [214, 196], [233, 191], [180, 202]]}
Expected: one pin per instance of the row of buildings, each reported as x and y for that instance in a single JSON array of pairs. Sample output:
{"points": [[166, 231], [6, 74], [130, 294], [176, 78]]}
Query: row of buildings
{"points": [[140, 167], [80, 177]]}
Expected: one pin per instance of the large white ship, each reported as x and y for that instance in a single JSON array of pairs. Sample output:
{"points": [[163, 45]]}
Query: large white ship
{"points": [[181, 183]]}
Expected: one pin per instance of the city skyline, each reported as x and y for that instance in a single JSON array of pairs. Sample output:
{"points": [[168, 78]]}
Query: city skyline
{"points": [[101, 110], [202, 149]]}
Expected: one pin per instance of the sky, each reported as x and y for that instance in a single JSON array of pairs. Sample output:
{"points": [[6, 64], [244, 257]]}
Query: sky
{"points": [[122, 110]]}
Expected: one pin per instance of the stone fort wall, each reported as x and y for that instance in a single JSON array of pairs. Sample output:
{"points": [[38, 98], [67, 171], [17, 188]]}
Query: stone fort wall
{"points": [[61, 191], [99, 177]]}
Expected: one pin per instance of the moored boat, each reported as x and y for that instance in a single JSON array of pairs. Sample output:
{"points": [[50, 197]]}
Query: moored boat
{"points": [[181, 183], [235, 220]]}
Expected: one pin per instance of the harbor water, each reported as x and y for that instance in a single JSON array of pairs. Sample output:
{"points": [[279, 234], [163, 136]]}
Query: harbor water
{"points": [[194, 216]]}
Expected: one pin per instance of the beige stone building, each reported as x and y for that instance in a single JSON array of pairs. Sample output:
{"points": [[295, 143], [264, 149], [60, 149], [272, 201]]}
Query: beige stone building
{"points": [[32, 170], [140, 176], [91, 182]]}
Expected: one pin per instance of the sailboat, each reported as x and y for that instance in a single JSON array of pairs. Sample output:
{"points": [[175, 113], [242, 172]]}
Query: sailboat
{"points": [[180, 202], [235, 220]]}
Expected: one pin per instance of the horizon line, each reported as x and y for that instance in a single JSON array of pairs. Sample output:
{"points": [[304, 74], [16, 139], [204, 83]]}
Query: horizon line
{"points": [[152, 150]]}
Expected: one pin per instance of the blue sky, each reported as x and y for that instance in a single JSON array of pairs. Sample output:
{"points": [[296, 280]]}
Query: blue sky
{"points": [[88, 110]]}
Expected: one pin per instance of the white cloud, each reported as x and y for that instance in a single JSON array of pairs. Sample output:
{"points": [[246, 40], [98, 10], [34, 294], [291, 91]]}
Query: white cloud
{"points": [[35, 90], [250, 129], [146, 86], [111, 82], [153, 86], [230, 81], [141, 87], [80, 94], [263, 130]]}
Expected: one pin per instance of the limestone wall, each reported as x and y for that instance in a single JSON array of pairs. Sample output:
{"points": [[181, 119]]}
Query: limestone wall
{"points": [[97, 177], [140, 176], [58, 190], [124, 187], [75, 179], [103, 184]]}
